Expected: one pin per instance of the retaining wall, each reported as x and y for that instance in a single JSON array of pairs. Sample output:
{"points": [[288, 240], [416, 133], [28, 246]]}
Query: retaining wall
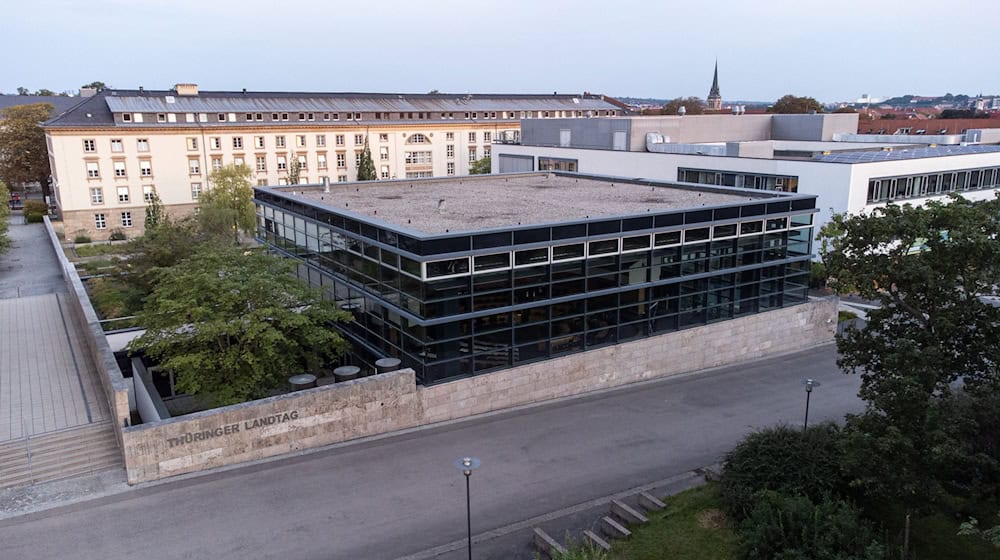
{"points": [[112, 381], [392, 401]]}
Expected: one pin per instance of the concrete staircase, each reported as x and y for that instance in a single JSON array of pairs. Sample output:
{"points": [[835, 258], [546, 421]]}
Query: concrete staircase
{"points": [[57, 455]]}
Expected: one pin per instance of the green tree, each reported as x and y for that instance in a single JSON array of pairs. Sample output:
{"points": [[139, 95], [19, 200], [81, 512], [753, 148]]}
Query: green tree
{"points": [[845, 109], [928, 268], [21, 90], [793, 104], [692, 106], [366, 170], [24, 157], [232, 325], [482, 166], [227, 207], [154, 211], [95, 85], [4, 215], [46, 92]]}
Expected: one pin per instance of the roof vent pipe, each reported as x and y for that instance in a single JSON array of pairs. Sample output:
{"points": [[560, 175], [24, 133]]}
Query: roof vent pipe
{"points": [[326, 184]]}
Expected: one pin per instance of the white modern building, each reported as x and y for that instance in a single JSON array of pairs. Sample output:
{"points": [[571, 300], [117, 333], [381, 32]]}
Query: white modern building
{"points": [[808, 154]]}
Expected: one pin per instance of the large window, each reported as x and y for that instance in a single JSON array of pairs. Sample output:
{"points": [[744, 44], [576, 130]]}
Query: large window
{"points": [[758, 181], [557, 164], [883, 189], [419, 157]]}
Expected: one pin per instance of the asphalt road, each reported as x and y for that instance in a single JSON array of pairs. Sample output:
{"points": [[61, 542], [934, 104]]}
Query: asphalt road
{"points": [[401, 495]]}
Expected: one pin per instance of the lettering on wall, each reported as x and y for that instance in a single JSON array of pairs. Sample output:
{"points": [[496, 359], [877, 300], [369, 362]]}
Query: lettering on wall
{"points": [[247, 425]]}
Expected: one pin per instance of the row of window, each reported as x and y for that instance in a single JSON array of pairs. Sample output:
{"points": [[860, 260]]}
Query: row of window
{"points": [[502, 339], [101, 220], [624, 245], [758, 181], [124, 197], [260, 142], [93, 169], [354, 116], [932, 184]]}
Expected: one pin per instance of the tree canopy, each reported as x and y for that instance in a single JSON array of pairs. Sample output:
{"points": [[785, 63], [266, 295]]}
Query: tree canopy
{"points": [[366, 169], [4, 215], [24, 157], [482, 166], [98, 85], [692, 106], [233, 324], [793, 104], [227, 207]]}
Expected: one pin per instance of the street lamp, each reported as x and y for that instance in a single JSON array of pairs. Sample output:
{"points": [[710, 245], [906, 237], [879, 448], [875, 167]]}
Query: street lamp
{"points": [[809, 384], [467, 465]]}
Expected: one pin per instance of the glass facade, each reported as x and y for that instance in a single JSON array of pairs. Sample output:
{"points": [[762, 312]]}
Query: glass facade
{"points": [[456, 305]]}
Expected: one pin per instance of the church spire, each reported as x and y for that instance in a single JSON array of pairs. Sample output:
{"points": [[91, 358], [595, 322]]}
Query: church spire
{"points": [[714, 97]]}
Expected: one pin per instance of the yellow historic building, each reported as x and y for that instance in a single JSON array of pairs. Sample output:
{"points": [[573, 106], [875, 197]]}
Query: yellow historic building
{"points": [[113, 149]]}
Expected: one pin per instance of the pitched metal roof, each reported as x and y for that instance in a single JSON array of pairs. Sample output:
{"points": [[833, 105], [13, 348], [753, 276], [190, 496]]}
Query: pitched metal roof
{"points": [[132, 101], [906, 153]]}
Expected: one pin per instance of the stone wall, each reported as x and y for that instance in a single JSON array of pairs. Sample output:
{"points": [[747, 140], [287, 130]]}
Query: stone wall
{"points": [[81, 222], [718, 344], [273, 426], [392, 401]]}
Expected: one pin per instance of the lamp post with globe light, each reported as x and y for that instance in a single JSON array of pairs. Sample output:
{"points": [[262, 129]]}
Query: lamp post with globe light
{"points": [[467, 465]]}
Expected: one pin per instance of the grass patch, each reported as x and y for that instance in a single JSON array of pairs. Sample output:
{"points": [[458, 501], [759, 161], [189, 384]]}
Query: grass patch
{"points": [[96, 266], [692, 527], [845, 316], [100, 249]]}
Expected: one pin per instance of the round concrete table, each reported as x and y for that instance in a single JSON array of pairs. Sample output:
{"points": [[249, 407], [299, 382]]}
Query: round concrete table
{"points": [[385, 365], [302, 381], [346, 373]]}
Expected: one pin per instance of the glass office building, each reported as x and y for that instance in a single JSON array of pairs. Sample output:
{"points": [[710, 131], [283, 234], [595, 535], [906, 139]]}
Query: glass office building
{"points": [[462, 276]]}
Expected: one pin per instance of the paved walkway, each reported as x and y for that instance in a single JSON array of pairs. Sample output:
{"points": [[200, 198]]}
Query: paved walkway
{"points": [[47, 381]]}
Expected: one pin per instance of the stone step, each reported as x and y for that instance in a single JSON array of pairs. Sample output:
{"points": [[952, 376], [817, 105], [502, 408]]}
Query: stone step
{"points": [[626, 513], [66, 470], [58, 455], [89, 431], [547, 545], [650, 502], [595, 540], [613, 529]]}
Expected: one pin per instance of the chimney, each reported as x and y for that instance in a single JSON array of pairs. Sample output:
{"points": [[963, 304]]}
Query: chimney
{"points": [[326, 184], [88, 92], [186, 89]]}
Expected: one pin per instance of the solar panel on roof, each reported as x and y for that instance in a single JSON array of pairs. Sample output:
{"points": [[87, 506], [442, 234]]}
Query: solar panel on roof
{"points": [[908, 153]]}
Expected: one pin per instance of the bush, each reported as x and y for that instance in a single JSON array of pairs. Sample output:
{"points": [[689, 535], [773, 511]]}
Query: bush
{"points": [[781, 527], [36, 207], [81, 239], [817, 275], [33, 217], [783, 459], [117, 235]]}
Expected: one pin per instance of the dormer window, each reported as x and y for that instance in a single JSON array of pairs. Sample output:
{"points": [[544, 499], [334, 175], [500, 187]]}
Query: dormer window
{"points": [[222, 117], [161, 117], [126, 117]]}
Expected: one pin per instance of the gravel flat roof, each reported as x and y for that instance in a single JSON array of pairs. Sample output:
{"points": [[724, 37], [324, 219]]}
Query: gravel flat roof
{"points": [[491, 201]]}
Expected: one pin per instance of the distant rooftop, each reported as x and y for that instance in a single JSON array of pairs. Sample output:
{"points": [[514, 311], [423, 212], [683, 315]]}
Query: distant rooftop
{"points": [[905, 153], [59, 102], [434, 206]]}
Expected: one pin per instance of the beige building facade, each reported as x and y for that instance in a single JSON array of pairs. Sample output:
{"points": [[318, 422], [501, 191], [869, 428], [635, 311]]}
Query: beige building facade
{"points": [[112, 151]]}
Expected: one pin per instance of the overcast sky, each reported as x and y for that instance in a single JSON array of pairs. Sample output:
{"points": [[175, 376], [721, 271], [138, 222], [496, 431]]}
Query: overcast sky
{"points": [[833, 50]]}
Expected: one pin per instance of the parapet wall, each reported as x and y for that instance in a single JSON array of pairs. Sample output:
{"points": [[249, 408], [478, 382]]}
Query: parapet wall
{"points": [[392, 401], [112, 381]]}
